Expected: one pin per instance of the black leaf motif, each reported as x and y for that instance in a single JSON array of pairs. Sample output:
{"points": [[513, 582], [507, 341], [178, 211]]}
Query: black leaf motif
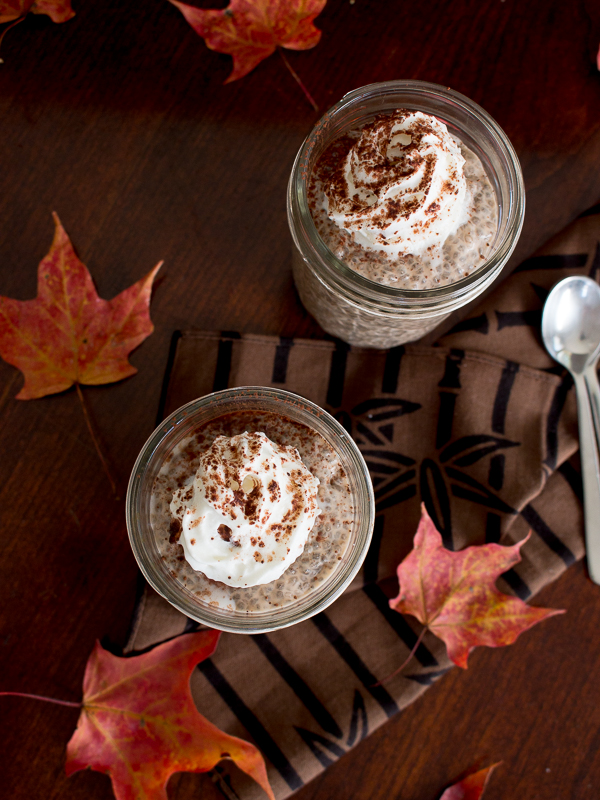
{"points": [[459, 446], [395, 476], [389, 454], [427, 678], [398, 408], [482, 495], [383, 469], [393, 484], [476, 455], [400, 497], [358, 711], [368, 434], [387, 431], [316, 743]]}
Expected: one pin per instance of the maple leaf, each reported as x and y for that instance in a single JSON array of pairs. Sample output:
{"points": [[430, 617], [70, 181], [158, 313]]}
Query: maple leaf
{"points": [[471, 787], [139, 724], [57, 10], [454, 594], [68, 334], [250, 30]]}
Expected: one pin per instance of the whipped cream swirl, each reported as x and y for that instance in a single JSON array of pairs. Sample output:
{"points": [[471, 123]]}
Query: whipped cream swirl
{"points": [[401, 187], [248, 512]]}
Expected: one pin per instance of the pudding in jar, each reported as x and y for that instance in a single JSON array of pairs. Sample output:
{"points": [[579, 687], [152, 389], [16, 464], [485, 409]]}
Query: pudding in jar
{"points": [[252, 512], [404, 204], [250, 509]]}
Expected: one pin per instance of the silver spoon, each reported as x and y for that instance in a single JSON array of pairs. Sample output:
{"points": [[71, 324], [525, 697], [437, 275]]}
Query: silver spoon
{"points": [[571, 333]]}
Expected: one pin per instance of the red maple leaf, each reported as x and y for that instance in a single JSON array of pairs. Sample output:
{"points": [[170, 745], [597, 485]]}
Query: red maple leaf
{"points": [[471, 787], [68, 334], [250, 30], [57, 10], [139, 724], [455, 596]]}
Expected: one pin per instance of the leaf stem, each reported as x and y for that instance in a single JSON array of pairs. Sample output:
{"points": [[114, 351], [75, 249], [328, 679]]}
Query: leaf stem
{"points": [[296, 77], [41, 697], [406, 661], [101, 456], [9, 26]]}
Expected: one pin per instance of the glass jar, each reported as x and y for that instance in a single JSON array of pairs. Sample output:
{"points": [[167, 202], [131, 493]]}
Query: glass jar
{"points": [[173, 578], [361, 311]]}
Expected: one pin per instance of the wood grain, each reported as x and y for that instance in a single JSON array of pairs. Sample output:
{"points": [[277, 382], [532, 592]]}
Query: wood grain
{"points": [[119, 121]]}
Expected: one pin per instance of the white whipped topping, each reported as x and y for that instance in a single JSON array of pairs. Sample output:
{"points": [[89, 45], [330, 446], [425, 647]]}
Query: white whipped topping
{"points": [[401, 188], [248, 512]]}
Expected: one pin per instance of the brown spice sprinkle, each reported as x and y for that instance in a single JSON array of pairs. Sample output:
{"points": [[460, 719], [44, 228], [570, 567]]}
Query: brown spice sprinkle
{"points": [[274, 491], [370, 149], [174, 531], [224, 532], [252, 505]]}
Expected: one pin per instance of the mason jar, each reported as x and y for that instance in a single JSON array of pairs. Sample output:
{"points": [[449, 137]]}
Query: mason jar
{"points": [[336, 546], [364, 312]]}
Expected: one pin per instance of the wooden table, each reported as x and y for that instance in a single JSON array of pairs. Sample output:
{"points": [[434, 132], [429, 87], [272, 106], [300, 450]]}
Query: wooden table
{"points": [[119, 121]]}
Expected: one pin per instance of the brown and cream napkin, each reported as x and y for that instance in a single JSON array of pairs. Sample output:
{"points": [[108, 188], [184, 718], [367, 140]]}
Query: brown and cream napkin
{"points": [[482, 428]]}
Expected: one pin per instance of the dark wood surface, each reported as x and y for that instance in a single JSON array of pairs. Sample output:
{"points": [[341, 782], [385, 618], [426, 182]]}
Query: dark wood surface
{"points": [[119, 121]]}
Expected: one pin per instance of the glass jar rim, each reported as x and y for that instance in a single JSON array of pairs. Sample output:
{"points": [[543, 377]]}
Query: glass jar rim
{"points": [[145, 552], [334, 269]]}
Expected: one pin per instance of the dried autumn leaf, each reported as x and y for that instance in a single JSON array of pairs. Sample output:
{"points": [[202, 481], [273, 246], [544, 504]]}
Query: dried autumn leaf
{"points": [[139, 723], [454, 594], [68, 334], [57, 10], [471, 787], [250, 30]]}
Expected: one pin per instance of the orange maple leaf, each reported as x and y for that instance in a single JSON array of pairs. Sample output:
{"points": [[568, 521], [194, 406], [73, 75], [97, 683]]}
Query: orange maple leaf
{"points": [[250, 30], [139, 724], [57, 10], [68, 334], [471, 787], [455, 596]]}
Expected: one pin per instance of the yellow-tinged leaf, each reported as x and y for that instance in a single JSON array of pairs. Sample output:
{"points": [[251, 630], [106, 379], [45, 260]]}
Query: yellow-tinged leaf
{"points": [[68, 334], [455, 596], [139, 723]]}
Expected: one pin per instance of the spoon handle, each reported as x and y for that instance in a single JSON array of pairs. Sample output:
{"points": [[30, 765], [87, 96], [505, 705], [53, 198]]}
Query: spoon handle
{"points": [[591, 381], [588, 406]]}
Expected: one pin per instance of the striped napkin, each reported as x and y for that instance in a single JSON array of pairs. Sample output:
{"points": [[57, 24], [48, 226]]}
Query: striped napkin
{"points": [[481, 427]]}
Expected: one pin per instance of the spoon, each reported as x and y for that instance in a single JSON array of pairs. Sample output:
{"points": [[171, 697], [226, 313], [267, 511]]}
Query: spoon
{"points": [[571, 333]]}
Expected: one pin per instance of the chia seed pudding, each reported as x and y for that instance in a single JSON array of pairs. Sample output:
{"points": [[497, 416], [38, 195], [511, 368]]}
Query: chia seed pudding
{"points": [[461, 254], [327, 542], [404, 204]]}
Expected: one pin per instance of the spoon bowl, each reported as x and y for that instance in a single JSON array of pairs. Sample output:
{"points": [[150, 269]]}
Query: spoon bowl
{"points": [[571, 322], [571, 333]]}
